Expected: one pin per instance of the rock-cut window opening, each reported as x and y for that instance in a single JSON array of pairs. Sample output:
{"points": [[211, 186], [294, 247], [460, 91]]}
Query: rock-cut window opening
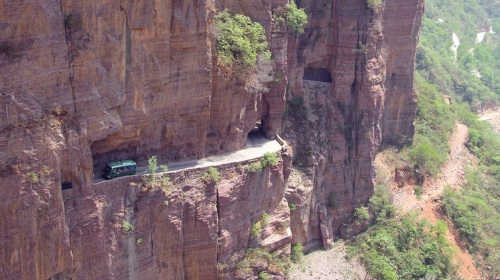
{"points": [[317, 75], [66, 185]]}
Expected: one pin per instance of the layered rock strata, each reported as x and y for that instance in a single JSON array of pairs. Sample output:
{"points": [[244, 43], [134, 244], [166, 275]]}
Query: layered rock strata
{"points": [[351, 90], [87, 82]]}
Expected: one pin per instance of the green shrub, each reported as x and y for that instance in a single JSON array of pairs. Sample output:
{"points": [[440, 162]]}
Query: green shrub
{"points": [[297, 255], [33, 177], [418, 192], [152, 165], [295, 18], [265, 219], [361, 49], [256, 229], [433, 127], [374, 4], [240, 40], [292, 206], [127, 226], [269, 159], [271, 262], [243, 54], [211, 175], [401, 247], [152, 178], [361, 213], [254, 167], [139, 241], [263, 275]]}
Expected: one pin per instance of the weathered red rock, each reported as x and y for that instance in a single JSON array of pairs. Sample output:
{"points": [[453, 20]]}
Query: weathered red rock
{"points": [[86, 82], [353, 69]]}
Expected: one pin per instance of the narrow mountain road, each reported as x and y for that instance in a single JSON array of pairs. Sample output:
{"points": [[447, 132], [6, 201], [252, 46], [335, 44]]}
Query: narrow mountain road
{"points": [[452, 175], [256, 146]]}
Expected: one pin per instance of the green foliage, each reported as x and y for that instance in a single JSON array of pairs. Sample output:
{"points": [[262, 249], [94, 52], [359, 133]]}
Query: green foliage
{"points": [[260, 225], [33, 177], [139, 241], [435, 60], [152, 165], [292, 206], [271, 262], [254, 167], [243, 55], [240, 40], [211, 175], [256, 229], [475, 210], [265, 219], [269, 159], [295, 18], [402, 247], [374, 4], [418, 192], [361, 213], [127, 226], [361, 49], [151, 178], [433, 126], [297, 254], [263, 275]]}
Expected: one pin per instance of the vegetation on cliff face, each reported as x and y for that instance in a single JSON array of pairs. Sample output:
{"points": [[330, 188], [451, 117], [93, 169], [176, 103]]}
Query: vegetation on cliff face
{"points": [[295, 18], [243, 51], [289, 16], [240, 40]]}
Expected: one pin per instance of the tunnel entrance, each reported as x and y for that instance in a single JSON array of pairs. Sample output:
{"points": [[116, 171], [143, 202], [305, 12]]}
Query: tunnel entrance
{"points": [[256, 135], [317, 75]]}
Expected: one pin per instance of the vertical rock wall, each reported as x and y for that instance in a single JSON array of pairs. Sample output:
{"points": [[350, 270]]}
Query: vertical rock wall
{"points": [[351, 89], [85, 82]]}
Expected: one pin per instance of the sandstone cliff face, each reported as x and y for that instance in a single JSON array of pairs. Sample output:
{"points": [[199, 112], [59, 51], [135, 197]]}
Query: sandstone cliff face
{"points": [[351, 89], [86, 82]]}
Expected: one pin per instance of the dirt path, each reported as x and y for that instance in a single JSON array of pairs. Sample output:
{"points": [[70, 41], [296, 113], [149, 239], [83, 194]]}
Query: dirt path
{"points": [[493, 118], [452, 174]]}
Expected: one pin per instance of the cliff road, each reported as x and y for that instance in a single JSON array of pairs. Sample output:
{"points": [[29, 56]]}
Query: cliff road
{"points": [[85, 83]]}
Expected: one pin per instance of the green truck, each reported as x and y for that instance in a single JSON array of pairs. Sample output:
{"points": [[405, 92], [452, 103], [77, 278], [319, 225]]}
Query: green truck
{"points": [[119, 169]]}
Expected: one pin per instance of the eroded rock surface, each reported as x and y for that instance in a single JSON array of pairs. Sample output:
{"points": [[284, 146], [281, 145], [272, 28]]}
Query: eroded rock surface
{"points": [[86, 82]]}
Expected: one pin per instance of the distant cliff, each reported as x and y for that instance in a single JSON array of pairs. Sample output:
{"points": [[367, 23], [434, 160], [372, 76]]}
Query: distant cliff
{"points": [[87, 82]]}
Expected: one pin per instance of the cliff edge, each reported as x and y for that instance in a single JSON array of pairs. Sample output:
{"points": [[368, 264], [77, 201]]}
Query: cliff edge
{"points": [[88, 82]]}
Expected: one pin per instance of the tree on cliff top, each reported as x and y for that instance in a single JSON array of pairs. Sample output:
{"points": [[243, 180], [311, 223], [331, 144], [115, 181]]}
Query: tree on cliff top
{"points": [[295, 18], [243, 51], [240, 40]]}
